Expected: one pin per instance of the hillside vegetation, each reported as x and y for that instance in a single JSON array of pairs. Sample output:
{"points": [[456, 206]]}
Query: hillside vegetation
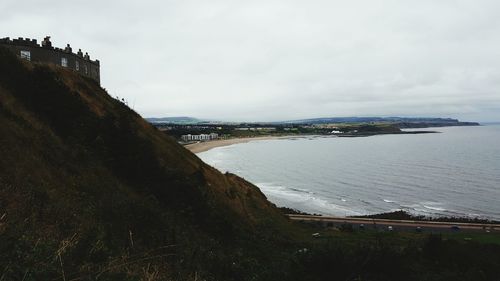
{"points": [[86, 182], [91, 191]]}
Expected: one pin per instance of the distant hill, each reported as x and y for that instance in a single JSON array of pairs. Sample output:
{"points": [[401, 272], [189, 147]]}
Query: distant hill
{"points": [[404, 122], [401, 120], [175, 120]]}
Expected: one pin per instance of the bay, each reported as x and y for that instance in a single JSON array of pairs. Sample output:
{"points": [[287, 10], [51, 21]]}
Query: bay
{"points": [[452, 173]]}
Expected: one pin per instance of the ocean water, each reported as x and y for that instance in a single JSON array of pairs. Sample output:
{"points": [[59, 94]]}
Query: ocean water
{"points": [[452, 173]]}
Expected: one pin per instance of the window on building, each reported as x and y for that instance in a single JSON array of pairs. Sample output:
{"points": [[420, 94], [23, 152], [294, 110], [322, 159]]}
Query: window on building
{"points": [[26, 55], [64, 62], [77, 66], [86, 69]]}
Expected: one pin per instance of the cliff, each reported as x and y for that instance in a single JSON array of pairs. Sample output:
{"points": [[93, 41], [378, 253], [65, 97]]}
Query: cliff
{"points": [[89, 188]]}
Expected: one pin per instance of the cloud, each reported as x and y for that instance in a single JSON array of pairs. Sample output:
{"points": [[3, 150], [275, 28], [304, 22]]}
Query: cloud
{"points": [[277, 59]]}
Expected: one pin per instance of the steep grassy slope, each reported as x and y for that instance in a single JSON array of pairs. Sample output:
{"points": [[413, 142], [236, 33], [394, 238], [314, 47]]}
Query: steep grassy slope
{"points": [[88, 187]]}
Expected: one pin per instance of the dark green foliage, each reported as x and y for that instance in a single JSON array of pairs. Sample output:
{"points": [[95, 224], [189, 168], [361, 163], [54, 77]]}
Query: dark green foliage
{"points": [[403, 215], [431, 259]]}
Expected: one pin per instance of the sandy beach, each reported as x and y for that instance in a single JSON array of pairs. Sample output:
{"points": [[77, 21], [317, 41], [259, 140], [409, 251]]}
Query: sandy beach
{"points": [[207, 145]]}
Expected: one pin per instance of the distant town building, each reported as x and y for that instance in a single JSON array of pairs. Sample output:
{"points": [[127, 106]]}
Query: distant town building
{"points": [[30, 50], [256, 129], [200, 137]]}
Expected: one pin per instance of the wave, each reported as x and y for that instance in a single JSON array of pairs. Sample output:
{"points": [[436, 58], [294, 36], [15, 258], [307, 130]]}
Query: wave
{"points": [[434, 208], [365, 202], [300, 190], [304, 201]]}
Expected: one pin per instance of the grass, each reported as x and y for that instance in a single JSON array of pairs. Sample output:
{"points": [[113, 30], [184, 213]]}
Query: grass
{"points": [[481, 238]]}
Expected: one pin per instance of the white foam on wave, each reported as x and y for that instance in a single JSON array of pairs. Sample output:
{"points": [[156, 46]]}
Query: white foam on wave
{"points": [[300, 200], [434, 208], [388, 201]]}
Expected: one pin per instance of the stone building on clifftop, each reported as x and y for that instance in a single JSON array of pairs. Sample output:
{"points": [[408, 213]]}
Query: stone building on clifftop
{"points": [[30, 50]]}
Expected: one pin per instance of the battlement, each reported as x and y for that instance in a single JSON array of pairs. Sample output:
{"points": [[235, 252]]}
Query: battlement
{"points": [[29, 49], [20, 41]]}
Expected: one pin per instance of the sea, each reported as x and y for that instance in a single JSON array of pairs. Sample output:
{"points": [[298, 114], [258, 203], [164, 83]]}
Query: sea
{"points": [[455, 172]]}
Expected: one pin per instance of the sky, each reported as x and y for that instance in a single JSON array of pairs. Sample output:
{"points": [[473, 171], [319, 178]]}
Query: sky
{"points": [[271, 60]]}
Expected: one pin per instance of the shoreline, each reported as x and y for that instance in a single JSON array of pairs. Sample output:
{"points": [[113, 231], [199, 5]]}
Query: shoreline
{"points": [[207, 145]]}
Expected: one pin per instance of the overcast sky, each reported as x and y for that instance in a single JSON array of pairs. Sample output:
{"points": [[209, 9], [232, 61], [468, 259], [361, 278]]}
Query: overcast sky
{"points": [[282, 59]]}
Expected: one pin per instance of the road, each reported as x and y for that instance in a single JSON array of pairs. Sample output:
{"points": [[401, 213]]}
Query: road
{"points": [[399, 225]]}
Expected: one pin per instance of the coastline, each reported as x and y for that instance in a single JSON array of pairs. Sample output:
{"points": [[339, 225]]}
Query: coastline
{"points": [[441, 210], [207, 145]]}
